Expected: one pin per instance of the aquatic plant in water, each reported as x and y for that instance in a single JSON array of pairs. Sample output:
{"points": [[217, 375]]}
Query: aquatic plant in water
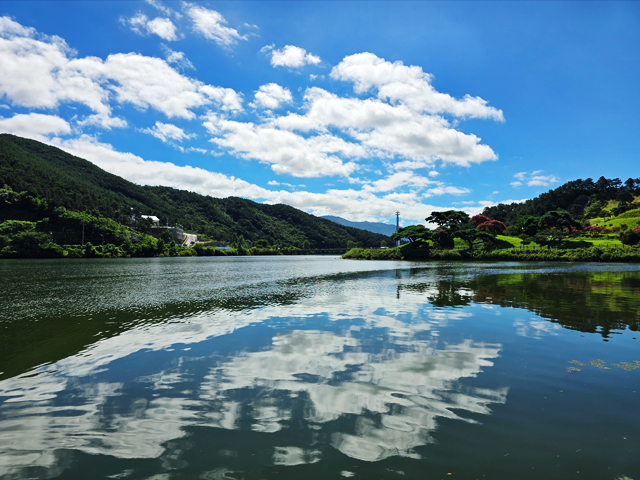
{"points": [[628, 366]]}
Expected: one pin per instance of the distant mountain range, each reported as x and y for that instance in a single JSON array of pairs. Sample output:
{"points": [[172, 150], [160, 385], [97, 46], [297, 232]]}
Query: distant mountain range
{"points": [[382, 228]]}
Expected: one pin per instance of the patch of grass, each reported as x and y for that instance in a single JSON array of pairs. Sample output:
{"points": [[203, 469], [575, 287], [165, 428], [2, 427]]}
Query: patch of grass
{"points": [[515, 241], [631, 222], [605, 242], [635, 213]]}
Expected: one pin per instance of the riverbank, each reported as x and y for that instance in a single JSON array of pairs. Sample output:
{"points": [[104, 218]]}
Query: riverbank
{"points": [[591, 254]]}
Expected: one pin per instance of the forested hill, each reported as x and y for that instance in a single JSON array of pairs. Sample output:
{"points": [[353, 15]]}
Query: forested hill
{"points": [[578, 197], [79, 185]]}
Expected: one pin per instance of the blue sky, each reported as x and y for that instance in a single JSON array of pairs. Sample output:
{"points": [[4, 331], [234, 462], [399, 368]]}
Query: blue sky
{"points": [[354, 109]]}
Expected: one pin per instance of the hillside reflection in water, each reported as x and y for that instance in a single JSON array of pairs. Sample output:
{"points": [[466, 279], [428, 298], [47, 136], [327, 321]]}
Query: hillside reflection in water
{"points": [[320, 371]]}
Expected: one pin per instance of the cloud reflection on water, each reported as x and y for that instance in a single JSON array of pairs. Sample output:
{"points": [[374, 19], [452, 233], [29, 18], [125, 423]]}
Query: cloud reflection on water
{"points": [[371, 377]]}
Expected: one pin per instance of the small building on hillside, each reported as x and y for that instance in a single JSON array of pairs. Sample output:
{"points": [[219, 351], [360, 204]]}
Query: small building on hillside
{"points": [[154, 220], [178, 234]]}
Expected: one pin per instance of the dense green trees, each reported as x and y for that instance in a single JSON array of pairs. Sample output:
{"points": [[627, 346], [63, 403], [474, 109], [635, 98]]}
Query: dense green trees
{"points": [[578, 196]]}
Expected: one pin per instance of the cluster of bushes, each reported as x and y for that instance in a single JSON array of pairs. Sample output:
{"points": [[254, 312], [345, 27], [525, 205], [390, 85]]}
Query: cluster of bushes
{"points": [[594, 229], [590, 254], [374, 254], [631, 237]]}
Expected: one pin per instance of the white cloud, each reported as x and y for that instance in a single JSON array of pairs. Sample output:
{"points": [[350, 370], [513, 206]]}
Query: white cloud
{"points": [[150, 82], [271, 96], [490, 203], [103, 120], [147, 172], [163, 27], [177, 58], [227, 98], [286, 152], [442, 190], [163, 9], [542, 180], [192, 149], [409, 85], [167, 132], [40, 72], [534, 179], [290, 56], [37, 73], [9, 28], [34, 125], [397, 180], [211, 25], [387, 130]]}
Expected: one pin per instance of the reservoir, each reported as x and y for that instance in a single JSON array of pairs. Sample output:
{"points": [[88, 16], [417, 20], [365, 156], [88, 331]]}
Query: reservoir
{"points": [[315, 367]]}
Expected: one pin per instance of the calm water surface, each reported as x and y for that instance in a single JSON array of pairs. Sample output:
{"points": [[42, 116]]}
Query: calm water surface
{"points": [[318, 368]]}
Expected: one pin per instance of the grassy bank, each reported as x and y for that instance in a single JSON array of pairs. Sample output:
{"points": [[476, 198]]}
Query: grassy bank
{"points": [[590, 254]]}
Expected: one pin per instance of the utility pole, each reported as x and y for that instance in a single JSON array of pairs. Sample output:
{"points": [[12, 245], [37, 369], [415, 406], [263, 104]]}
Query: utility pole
{"points": [[397, 226]]}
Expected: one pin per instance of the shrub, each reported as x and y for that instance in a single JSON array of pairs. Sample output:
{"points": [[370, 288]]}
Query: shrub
{"points": [[630, 237]]}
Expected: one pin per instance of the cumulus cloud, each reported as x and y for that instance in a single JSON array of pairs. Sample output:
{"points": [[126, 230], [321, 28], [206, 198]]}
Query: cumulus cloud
{"points": [[163, 27], [388, 130], [211, 25], [271, 96], [167, 132], [290, 56], [286, 152], [534, 179], [408, 85], [333, 133], [35, 125], [41, 72], [149, 172], [397, 180], [177, 58], [37, 71], [102, 120]]}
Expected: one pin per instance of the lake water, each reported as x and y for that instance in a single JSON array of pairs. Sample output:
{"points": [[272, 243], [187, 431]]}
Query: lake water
{"points": [[318, 368]]}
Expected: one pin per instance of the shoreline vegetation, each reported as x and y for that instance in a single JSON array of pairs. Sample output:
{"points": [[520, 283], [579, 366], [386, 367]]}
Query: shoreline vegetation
{"points": [[613, 253], [55, 205], [554, 236]]}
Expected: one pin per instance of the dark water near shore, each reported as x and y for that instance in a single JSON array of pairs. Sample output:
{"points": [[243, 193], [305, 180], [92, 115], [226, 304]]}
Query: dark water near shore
{"points": [[318, 368]]}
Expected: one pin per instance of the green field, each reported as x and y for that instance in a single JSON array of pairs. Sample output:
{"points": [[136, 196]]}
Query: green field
{"points": [[611, 240], [631, 222]]}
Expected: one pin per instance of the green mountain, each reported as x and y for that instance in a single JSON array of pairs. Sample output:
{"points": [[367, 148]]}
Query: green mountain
{"points": [[63, 180], [582, 198]]}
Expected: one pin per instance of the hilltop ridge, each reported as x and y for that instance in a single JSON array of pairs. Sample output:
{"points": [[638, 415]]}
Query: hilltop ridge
{"points": [[64, 180]]}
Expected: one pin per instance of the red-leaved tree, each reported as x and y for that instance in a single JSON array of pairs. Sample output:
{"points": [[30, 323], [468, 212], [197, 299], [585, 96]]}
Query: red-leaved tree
{"points": [[495, 227], [479, 220]]}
